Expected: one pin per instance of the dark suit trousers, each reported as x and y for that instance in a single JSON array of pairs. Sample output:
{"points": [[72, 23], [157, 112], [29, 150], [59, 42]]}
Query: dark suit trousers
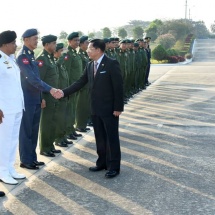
{"points": [[28, 135], [107, 141]]}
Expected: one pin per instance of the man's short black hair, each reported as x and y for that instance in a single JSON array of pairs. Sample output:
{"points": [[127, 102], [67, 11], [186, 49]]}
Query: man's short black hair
{"points": [[98, 43]]}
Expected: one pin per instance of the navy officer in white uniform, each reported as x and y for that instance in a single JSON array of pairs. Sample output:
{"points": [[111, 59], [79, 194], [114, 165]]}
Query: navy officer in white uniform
{"points": [[11, 105]]}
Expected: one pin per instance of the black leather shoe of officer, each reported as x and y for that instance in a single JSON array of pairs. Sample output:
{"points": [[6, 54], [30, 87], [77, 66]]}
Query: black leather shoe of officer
{"points": [[96, 168], [2, 194], [48, 154], [87, 129], [61, 144], [56, 150], [81, 129], [71, 137], [29, 166], [67, 141], [111, 173], [76, 134], [39, 163]]}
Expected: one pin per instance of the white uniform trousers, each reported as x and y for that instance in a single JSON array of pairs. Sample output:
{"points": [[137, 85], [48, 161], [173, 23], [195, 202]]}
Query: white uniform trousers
{"points": [[9, 137]]}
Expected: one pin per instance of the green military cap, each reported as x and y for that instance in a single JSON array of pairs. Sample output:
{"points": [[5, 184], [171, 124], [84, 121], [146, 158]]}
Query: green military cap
{"points": [[106, 40], [48, 38], [136, 44], [147, 38], [111, 39], [59, 46], [116, 39], [83, 39], [128, 41], [123, 41], [72, 35], [132, 40]]}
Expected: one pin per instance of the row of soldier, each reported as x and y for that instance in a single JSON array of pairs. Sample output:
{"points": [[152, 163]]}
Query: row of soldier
{"points": [[57, 121]]}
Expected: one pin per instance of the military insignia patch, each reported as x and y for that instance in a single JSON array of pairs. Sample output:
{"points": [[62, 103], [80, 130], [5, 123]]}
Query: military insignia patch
{"points": [[40, 63], [66, 57], [25, 61]]}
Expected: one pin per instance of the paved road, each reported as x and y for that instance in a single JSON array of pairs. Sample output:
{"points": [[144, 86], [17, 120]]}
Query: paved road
{"points": [[168, 165]]}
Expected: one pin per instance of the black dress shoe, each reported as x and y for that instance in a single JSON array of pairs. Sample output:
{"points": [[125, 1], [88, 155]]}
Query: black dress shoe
{"points": [[61, 144], [76, 134], [111, 173], [29, 166], [48, 154], [96, 168], [2, 194], [71, 137], [87, 129], [67, 141], [81, 129], [39, 163], [56, 151], [90, 124]]}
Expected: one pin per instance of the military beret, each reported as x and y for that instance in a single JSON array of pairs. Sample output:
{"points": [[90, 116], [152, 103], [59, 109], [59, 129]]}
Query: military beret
{"points": [[72, 35], [136, 44], [116, 39], [123, 41], [59, 46], [83, 39], [111, 39], [30, 32], [106, 40], [48, 38], [7, 37]]}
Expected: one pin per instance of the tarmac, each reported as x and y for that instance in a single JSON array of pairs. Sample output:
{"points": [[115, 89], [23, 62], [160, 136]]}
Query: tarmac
{"points": [[167, 137]]}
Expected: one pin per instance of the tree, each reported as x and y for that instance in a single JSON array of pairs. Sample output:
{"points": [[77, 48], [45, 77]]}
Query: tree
{"points": [[138, 32], [213, 27], [201, 30], [159, 53], [179, 28], [122, 33], [166, 40], [63, 35], [106, 32], [91, 35]]}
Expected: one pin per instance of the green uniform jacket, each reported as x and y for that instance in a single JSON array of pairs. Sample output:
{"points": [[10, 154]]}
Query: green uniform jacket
{"points": [[49, 74]]}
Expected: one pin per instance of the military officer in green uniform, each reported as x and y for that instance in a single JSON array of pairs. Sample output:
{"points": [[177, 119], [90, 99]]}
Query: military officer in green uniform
{"points": [[111, 51], [49, 74], [137, 66], [73, 63], [122, 57], [83, 97], [60, 116], [144, 63]]}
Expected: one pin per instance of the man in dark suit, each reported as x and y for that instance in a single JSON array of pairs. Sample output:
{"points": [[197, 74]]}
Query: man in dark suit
{"points": [[106, 89]]}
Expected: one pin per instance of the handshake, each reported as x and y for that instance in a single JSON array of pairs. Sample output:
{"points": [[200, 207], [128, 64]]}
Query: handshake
{"points": [[57, 93]]}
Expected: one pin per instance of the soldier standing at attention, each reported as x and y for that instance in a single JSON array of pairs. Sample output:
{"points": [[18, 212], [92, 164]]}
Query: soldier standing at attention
{"points": [[122, 58], [32, 86], [73, 64], [11, 107], [60, 113], [148, 52], [49, 74], [83, 97]]}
